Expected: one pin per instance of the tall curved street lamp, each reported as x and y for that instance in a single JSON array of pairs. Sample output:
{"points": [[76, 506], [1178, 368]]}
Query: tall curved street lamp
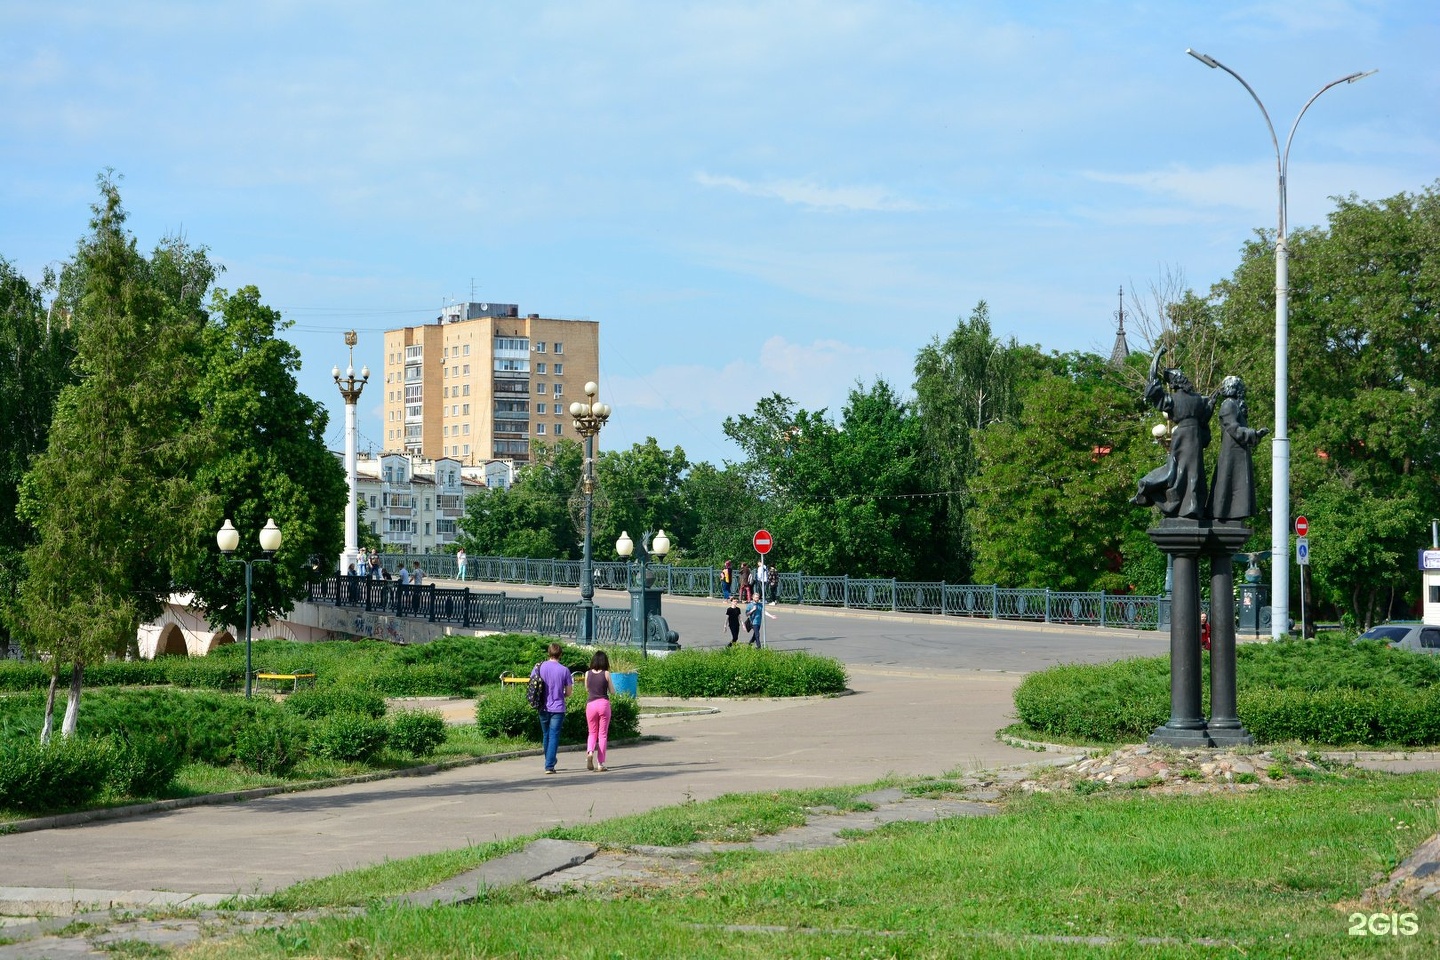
{"points": [[1280, 447], [228, 539], [589, 416], [350, 389]]}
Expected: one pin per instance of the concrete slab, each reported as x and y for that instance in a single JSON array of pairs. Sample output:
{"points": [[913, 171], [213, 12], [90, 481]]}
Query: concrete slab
{"points": [[539, 858]]}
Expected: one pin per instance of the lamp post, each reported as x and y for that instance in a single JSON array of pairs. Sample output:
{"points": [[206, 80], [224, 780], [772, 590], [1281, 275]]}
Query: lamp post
{"points": [[589, 416], [1280, 447], [350, 389], [228, 539], [639, 595]]}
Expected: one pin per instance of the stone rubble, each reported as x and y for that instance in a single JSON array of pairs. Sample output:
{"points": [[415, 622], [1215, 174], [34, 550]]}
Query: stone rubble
{"points": [[1170, 771]]}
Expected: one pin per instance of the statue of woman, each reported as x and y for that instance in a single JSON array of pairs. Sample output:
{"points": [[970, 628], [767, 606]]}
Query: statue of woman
{"points": [[1233, 492]]}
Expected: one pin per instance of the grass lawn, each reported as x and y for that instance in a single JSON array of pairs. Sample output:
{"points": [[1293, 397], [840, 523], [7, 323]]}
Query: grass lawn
{"points": [[1268, 873]]}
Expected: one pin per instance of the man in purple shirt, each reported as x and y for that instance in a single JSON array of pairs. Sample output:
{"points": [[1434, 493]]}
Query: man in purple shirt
{"points": [[556, 677]]}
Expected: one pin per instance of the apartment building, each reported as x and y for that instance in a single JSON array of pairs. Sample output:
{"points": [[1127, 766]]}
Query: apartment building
{"points": [[480, 381], [414, 504]]}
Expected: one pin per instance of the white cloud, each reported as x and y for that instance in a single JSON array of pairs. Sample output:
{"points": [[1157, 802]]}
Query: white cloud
{"points": [[814, 196]]}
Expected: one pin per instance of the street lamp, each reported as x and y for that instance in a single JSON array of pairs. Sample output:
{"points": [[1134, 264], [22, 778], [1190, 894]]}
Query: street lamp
{"points": [[1280, 447], [350, 389], [228, 538], [589, 417], [642, 599]]}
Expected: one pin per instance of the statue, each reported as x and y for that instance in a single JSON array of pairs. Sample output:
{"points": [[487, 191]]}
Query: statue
{"points": [[1178, 487], [1232, 494]]}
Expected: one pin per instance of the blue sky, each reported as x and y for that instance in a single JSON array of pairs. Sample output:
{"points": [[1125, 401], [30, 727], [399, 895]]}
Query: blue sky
{"points": [[750, 197]]}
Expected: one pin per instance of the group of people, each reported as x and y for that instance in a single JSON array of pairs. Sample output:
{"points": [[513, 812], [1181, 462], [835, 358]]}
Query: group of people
{"points": [[758, 583], [558, 680], [368, 566]]}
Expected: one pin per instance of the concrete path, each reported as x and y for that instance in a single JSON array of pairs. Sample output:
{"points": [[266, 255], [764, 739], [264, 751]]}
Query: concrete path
{"points": [[896, 721]]}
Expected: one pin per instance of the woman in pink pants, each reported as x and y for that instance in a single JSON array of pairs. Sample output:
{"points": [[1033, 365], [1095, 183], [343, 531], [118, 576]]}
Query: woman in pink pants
{"points": [[598, 688]]}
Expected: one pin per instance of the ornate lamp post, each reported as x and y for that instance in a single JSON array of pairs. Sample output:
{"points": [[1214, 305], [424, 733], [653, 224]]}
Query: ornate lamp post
{"points": [[228, 539], [1280, 447], [642, 599], [350, 389], [589, 416]]}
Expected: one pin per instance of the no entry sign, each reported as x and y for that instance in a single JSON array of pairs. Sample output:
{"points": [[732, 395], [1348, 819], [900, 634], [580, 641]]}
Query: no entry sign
{"points": [[1302, 526], [762, 542]]}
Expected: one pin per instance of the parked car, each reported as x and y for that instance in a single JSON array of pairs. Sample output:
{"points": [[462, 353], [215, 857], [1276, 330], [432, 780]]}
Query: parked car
{"points": [[1403, 635]]}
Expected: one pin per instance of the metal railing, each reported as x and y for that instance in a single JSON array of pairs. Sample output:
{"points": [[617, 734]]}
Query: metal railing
{"points": [[469, 608], [1085, 608]]}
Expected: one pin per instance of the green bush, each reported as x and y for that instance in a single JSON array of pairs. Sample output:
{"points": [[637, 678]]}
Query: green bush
{"points": [[141, 766], [348, 737], [272, 744], [215, 672], [417, 733], [320, 702], [63, 774], [506, 714], [740, 672], [1322, 692]]}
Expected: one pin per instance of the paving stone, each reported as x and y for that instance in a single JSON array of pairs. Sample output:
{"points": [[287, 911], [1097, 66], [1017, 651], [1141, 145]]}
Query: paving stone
{"points": [[539, 858]]}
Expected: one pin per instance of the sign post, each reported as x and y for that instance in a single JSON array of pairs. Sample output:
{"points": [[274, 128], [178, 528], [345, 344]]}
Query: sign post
{"points": [[1302, 559], [762, 542], [1302, 526]]}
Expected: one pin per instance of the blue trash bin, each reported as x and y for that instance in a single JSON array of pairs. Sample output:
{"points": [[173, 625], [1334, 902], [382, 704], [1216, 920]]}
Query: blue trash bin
{"points": [[626, 684]]}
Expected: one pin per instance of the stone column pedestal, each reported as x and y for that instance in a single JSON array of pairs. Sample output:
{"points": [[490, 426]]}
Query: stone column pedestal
{"points": [[1224, 727], [1184, 541]]}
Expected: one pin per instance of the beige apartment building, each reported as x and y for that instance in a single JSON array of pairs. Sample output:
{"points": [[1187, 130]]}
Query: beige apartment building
{"points": [[481, 381]]}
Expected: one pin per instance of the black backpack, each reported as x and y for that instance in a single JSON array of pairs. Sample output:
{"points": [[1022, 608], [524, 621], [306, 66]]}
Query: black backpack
{"points": [[535, 690]]}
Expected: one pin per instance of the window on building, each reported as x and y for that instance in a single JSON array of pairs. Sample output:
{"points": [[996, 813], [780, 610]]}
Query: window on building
{"points": [[539, 408], [372, 501], [540, 367], [465, 390], [559, 348], [467, 369], [559, 389], [539, 346], [427, 508], [539, 388], [465, 429], [444, 431], [559, 369], [465, 409], [557, 429], [540, 429], [427, 529], [467, 449], [467, 349]]}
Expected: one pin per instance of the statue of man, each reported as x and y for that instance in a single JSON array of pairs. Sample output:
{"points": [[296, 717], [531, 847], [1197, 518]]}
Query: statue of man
{"points": [[1233, 492], [1178, 488]]}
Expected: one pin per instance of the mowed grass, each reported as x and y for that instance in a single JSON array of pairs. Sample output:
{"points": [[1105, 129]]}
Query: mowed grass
{"points": [[1271, 873]]}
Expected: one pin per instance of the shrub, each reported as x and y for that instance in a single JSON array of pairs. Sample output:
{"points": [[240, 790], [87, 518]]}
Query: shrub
{"points": [[506, 714], [348, 737], [1107, 702], [65, 773], [272, 744], [142, 766], [320, 702], [417, 733], [739, 672], [215, 672]]}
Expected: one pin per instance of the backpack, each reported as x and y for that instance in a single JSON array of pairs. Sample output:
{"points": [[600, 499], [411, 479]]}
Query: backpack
{"points": [[535, 690]]}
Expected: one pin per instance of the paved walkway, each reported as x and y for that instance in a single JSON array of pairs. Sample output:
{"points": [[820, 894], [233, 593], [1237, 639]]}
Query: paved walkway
{"points": [[894, 722]]}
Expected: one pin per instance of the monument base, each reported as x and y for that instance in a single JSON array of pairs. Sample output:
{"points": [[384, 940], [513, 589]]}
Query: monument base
{"points": [[1231, 737], [1182, 737]]}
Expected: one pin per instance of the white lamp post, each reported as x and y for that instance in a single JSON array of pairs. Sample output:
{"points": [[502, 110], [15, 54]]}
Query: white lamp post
{"points": [[228, 539], [350, 389], [1280, 447]]}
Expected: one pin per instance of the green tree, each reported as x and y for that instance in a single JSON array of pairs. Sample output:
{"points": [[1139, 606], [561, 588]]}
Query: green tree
{"points": [[532, 517], [269, 460], [963, 384], [644, 490], [35, 355], [726, 511], [112, 497], [1364, 352], [1050, 494]]}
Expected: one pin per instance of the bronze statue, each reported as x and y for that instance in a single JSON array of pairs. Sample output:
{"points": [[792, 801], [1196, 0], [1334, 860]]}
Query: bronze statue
{"points": [[1233, 492], [1178, 487]]}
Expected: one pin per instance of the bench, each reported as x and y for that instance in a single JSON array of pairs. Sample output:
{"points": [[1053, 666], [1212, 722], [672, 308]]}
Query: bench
{"points": [[508, 677], [274, 679]]}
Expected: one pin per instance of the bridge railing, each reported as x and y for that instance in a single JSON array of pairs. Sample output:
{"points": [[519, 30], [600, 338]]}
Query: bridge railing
{"points": [[1092, 608]]}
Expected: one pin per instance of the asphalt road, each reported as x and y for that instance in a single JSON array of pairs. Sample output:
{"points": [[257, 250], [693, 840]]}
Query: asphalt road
{"points": [[893, 640]]}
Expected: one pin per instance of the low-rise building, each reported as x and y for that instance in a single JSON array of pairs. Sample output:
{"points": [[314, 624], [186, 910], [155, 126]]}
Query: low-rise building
{"points": [[413, 504]]}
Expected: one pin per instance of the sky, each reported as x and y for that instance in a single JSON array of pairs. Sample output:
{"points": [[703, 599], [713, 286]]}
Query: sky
{"points": [[749, 197]]}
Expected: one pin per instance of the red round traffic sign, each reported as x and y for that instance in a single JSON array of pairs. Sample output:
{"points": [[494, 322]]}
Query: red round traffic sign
{"points": [[762, 542], [1302, 526]]}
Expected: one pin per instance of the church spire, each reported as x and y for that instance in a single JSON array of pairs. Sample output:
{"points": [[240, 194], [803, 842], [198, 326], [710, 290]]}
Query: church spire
{"points": [[1121, 350]]}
